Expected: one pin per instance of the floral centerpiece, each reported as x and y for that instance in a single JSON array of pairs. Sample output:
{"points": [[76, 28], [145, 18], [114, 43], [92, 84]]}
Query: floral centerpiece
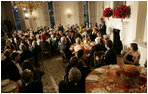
{"points": [[85, 40], [107, 12], [122, 11], [129, 73]]}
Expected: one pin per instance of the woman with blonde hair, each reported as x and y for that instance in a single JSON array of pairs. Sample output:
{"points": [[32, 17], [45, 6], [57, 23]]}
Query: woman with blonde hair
{"points": [[78, 45]]}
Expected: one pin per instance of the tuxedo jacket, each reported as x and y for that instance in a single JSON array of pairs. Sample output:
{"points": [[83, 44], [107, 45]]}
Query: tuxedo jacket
{"points": [[68, 87], [103, 30], [96, 48], [110, 57], [34, 87], [13, 72]]}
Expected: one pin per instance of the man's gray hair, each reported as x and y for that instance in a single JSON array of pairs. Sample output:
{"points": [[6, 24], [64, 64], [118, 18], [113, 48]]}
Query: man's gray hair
{"points": [[74, 75], [62, 39], [97, 40]]}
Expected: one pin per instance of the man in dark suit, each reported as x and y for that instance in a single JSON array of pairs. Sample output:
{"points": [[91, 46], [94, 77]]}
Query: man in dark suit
{"points": [[14, 69], [102, 29], [71, 85], [68, 38], [65, 48], [110, 54], [31, 86], [96, 48]]}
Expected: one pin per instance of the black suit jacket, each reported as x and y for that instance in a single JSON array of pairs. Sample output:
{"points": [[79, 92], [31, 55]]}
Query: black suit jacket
{"points": [[4, 64], [45, 46], [68, 42], [66, 50], [96, 48], [34, 87], [110, 57], [13, 72], [103, 30], [68, 87]]}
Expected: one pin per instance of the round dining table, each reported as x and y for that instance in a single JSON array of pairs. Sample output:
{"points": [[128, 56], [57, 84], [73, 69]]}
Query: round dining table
{"points": [[105, 80], [87, 48]]}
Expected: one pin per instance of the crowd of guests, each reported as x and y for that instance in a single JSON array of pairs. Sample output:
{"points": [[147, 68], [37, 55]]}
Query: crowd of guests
{"points": [[22, 45]]}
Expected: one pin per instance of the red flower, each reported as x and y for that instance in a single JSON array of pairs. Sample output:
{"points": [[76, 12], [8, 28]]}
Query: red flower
{"points": [[118, 72], [132, 75], [127, 85], [107, 12], [122, 11]]}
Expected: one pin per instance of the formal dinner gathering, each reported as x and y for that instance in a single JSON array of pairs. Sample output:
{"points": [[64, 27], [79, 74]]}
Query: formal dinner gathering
{"points": [[74, 46]]}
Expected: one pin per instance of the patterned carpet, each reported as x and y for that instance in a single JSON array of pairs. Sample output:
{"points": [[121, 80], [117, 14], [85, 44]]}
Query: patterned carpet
{"points": [[54, 70]]}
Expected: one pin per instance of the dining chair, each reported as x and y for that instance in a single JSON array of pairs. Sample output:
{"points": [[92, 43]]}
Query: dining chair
{"points": [[100, 54]]}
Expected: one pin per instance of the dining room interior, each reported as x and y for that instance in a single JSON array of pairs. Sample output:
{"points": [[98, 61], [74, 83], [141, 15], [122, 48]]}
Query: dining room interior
{"points": [[73, 46]]}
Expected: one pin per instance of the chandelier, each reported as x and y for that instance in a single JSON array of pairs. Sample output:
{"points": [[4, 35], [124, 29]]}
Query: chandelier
{"points": [[31, 5]]}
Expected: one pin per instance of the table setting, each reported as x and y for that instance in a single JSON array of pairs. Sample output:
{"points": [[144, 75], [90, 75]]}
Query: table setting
{"points": [[9, 86], [117, 79]]}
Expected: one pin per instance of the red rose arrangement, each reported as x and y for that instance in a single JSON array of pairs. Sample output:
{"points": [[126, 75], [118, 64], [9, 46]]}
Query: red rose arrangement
{"points": [[122, 11], [107, 12], [129, 73]]}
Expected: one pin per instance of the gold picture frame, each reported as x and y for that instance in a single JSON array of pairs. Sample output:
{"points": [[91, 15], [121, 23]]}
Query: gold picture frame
{"points": [[116, 4]]}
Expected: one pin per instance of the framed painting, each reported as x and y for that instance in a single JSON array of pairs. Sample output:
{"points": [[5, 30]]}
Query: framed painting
{"points": [[116, 4]]}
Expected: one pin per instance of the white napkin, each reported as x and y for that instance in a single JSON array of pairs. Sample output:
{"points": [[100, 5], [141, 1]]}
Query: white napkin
{"points": [[9, 88], [115, 67], [5, 82], [99, 90], [99, 70], [92, 78]]}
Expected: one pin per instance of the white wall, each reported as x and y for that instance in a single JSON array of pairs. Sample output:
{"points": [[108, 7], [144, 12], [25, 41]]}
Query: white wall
{"points": [[133, 28], [73, 6]]}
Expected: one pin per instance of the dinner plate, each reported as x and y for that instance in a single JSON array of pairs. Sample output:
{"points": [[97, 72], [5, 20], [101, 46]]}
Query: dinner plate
{"points": [[92, 78], [99, 70], [5, 82], [9, 88], [114, 67], [99, 90]]}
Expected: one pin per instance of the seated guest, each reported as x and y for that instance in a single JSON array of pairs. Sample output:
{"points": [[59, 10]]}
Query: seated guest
{"points": [[78, 45], [23, 42], [37, 74], [60, 34], [132, 56], [45, 46], [54, 41], [31, 86], [29, 44], [25, 54], [65, 48], [4, 64], [9, 45], [110, 54], [36, 49], [73, 62], [105, 37], [96, 48], [68, 38], [71, 85], [14, 70], [84, 68], [101, 39]]}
